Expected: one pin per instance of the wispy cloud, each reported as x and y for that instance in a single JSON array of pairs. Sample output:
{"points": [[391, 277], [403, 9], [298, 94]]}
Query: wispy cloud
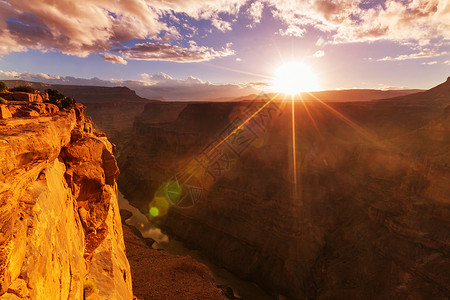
{"points": [[418, 55], [434, 62], [292, 30], [195, 53], [319, 53], [113, 58], [221, 25], [255, 12]]}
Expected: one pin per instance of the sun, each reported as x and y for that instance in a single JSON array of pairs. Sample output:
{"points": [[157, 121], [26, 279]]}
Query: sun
{"points": [[293, 78]]}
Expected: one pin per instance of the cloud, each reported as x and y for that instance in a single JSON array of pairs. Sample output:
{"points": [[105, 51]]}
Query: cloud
{"points": [[113, 58], [259, 83], [292, 30], [53, 79], [319, 53], [348, 21], [255, 12], [412, 56], [9, 75], [153, 51], [83, 27], [430, 63], [447, 62], [221, 25], [77, 27], [159, 85]]}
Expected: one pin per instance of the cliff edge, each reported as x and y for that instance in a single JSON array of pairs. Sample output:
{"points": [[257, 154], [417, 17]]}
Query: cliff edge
{"points": [[61, 233]]}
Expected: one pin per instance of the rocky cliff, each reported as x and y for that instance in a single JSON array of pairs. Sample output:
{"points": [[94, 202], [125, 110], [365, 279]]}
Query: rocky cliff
{"points": [[112, 109], [367, 219], [61, 233]]}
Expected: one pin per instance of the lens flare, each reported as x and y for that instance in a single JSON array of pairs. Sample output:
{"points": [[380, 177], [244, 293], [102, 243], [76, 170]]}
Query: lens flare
{"points": [[154, 212]]}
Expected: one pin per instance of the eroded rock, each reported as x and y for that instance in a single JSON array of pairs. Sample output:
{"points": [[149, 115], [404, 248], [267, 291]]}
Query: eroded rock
{"points": [[60, 222], [4, 112]]}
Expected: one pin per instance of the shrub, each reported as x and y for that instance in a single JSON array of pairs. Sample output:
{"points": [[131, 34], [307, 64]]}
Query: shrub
{"points": [[3, 101], [89, 287], [22, 88], [54, 95], [59, 99], [67, 103], [3, 86]]}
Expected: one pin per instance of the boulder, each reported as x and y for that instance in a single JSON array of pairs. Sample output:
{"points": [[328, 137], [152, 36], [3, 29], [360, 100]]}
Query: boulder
{"points": [[4, 112], [24, 112], [44, 108], [28, 97]]}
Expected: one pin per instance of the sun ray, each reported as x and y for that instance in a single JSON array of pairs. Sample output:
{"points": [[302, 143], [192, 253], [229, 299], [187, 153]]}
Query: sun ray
{"points": [[239, 71], [364, 133], [199, 164], [294, 149], [311, 117], [243, 123]]}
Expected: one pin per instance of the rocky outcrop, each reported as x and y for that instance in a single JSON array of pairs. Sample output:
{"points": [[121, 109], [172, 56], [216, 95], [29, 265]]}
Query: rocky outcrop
{"points": [[112, 109], [24, 109], [368, 218], [26, 97], [4, 112], [61, 234]]}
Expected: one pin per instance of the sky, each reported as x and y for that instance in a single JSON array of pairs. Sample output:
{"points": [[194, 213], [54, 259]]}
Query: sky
{"points": [[221, 48]]}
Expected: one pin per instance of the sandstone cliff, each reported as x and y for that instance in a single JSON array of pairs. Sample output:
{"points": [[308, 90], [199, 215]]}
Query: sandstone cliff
{"points": [[61, 233]]}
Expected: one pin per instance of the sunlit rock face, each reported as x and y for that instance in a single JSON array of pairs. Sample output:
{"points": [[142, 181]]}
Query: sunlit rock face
{"points": [[61, 234], [368, 218]]}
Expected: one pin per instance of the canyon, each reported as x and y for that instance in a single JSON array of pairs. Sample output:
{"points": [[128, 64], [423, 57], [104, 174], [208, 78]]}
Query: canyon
{"points": [[359, 208], [61, 234], [362, 211]]}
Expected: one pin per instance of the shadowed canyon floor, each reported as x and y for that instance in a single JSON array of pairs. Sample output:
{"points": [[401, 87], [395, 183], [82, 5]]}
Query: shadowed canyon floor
{"points": [[158, 275]]}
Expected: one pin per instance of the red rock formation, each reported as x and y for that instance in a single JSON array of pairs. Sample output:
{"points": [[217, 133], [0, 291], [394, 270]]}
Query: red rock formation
{"points": [[4, 112], [26, 97], [61, 233]]}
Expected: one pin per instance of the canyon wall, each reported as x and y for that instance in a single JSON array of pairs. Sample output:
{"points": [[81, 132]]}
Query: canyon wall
{"points": [[365, 217], [61, 233]]}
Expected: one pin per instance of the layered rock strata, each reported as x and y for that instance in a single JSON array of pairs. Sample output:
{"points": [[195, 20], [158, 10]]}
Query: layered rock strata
{"points": [[368, 218], [61, 233]]}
